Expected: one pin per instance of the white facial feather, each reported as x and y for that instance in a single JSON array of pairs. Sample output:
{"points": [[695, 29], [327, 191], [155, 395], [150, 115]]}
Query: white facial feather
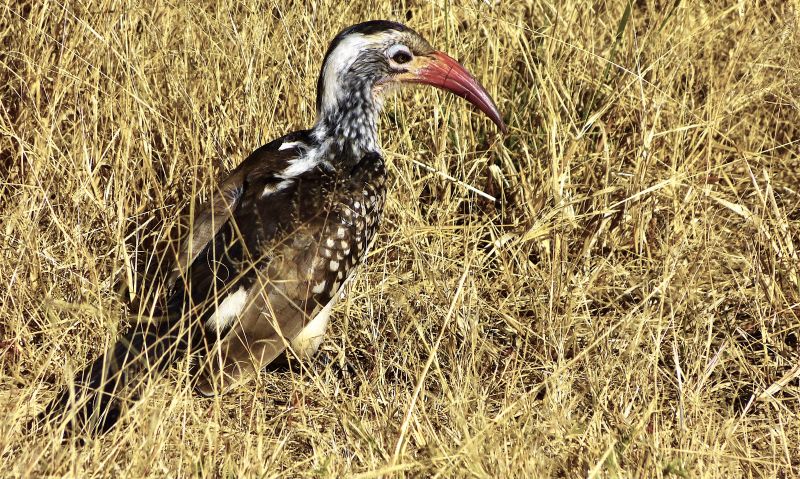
{"points": [[340, 60]]}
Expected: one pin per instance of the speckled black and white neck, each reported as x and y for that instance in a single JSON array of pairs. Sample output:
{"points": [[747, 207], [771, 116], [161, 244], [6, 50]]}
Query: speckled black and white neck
{"points": [[347, 108], [348, 130]]}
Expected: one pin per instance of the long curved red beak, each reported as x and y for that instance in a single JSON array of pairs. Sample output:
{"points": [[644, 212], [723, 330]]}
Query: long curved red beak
{"points": [[442, 71]]}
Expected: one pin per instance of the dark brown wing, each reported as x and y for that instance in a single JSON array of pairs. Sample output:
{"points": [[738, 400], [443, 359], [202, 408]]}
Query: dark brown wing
{"points": [[206, 224], [269, 159], [291, 251]]}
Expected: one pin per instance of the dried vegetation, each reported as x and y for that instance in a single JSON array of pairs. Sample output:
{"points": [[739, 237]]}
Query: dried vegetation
{"points": [[626, 306]]}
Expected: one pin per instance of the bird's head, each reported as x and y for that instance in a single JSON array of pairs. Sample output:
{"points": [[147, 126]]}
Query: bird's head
{"points": [[367, 59]]}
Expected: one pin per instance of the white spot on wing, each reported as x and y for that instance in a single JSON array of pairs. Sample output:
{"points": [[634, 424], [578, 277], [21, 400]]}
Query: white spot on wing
{"points": [[228, 309], [319, 287], [291, 144], [300, 165], [270, 189], [333, 265]]}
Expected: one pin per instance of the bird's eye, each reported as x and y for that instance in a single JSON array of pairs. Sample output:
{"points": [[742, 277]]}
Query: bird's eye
{"points": [[399, 54], [401, 57]]}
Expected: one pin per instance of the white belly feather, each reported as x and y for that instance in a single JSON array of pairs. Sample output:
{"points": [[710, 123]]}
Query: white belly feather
{"points": [[310, 337], [307, 342]]}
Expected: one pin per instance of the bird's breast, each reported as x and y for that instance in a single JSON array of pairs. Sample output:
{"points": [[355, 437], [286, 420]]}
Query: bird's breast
{"points": [[357, 205]]}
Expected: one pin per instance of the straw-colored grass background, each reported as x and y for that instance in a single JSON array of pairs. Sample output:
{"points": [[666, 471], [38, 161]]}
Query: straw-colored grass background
{"points": [[628, 307]]}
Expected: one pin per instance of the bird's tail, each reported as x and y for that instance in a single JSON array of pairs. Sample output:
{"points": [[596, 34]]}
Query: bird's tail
{"points": [[93, 403]]}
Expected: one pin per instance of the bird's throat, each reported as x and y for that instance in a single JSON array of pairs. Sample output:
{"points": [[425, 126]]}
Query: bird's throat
{"points": [[349, 126]]}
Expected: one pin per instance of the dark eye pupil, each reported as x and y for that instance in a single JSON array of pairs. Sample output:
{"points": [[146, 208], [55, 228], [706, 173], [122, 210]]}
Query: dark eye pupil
{"points": [[402, 57]]}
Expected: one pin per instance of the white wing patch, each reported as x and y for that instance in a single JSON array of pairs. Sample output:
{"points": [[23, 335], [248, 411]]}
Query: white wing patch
{"points": [[228, 310], [291, 144], [300, 165], [270, 189]]}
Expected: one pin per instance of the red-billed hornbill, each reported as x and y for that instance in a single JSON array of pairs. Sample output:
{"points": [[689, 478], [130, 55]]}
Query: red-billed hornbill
{"points": [[267, 258]]}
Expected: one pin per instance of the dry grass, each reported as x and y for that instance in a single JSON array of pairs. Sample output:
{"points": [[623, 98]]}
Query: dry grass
{"points": [[628, 307]]}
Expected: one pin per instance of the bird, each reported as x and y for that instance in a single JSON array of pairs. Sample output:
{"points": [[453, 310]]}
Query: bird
{"points": [[270, 253]]}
